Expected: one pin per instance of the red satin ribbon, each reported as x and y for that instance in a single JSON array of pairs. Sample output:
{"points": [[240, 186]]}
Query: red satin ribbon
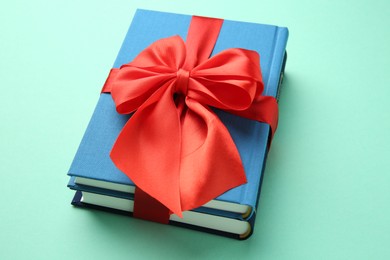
{"points": [[174, 148]]}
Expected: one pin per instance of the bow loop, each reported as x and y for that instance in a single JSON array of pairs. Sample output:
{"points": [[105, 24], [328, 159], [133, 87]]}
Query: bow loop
{"points": [[138, 80], [127, 96], [229, 80]]}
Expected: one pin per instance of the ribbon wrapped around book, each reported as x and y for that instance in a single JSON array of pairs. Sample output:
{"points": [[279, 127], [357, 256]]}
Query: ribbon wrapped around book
{"points": [[174, 148]]}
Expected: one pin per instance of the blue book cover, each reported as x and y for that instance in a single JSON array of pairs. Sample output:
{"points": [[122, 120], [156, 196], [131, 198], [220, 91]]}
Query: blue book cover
{"points": [[92, 170]]}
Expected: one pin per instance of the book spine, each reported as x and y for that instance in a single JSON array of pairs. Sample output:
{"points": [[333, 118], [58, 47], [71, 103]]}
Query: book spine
{"points": [[251, 196], [276, 66]]}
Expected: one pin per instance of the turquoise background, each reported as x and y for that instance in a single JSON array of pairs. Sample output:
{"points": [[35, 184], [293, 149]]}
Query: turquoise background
{"points": [[326, 191]]}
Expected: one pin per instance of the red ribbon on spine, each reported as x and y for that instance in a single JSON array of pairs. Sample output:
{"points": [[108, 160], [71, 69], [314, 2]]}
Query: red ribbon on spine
{"points": [[174, 148]]}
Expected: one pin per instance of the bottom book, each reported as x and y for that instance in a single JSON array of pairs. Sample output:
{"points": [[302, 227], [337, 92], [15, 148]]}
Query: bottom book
{"points": [[204, 219]]}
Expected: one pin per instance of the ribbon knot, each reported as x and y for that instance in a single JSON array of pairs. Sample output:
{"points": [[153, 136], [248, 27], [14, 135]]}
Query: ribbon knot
{"points": [[181, 86], [182, 155]]}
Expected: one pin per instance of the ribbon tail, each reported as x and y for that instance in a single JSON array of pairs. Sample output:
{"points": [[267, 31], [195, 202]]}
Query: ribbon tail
{"points": [[210, 162], [148, 152]]}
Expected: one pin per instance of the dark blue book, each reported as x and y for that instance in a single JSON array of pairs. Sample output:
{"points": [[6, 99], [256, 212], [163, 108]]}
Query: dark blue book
{"points": [[99, 184]]}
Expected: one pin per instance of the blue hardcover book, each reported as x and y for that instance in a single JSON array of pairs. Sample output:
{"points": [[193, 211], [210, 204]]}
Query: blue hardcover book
{"points": [[99, 184]]}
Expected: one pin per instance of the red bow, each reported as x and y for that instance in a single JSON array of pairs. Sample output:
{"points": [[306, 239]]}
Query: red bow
{"points": [[174, 147]]}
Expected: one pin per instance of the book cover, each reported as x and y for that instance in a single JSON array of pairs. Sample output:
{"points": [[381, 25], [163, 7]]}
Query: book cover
{"points": [[92, 161]]}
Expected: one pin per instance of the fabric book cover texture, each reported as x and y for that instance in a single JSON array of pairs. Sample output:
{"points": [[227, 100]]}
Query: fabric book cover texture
{"points": [[100, 184]]}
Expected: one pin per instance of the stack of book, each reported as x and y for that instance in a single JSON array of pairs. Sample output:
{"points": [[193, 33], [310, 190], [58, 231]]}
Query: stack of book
{"points": [[100, 185]]}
